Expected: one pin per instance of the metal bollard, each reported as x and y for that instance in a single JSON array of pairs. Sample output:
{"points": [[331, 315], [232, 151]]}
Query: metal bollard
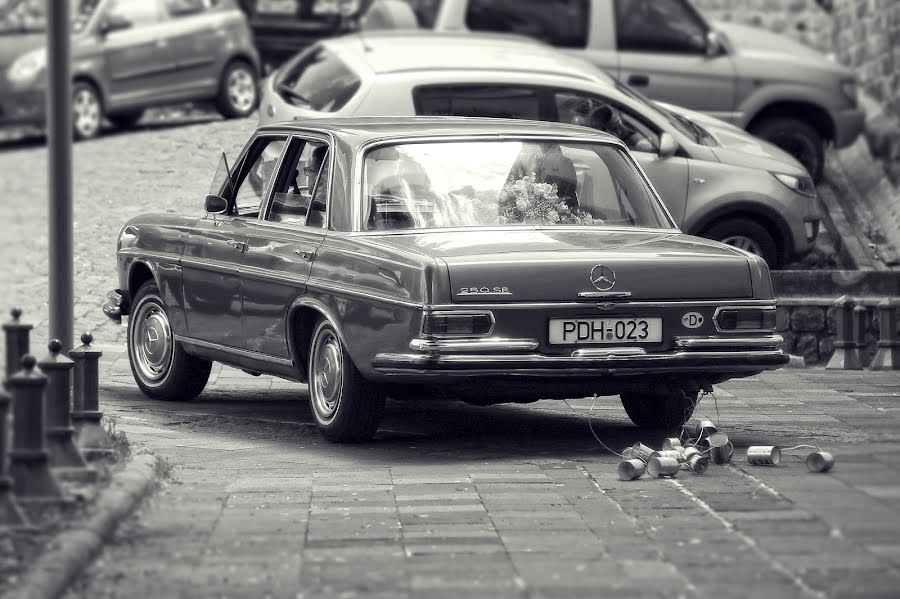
{"points": [[17, 338], [86, 414], [57, 404], [846, 354], [29, 464], [888, 355], [11, 515]]}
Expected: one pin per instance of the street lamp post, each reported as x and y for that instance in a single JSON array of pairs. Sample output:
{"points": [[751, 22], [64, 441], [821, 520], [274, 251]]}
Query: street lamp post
{"points": [[59, 169]]}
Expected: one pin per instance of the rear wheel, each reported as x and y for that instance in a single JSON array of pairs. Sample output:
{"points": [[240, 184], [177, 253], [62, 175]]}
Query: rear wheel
{"points": [[238, 90], [747, 235], [347, 407], [87, 110], [661, 408], [798, 139], [161, 368]]}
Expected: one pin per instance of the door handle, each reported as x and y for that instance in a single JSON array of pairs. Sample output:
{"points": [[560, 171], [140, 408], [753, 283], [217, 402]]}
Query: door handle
{"points": [[638, 80], [237, 245], [305, 254]]}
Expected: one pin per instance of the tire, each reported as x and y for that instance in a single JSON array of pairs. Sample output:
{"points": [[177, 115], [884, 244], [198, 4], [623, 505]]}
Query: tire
{"points": [[347, 408], [748, 235], [87, 111], [238, 90], [798, 139], [667, 409], [161, 368], [126, 120]]}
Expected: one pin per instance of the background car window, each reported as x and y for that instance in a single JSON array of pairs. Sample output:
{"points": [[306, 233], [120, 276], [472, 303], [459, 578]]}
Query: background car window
{"points": [[318, 79], [558, 22], [599, 113], [303, 195], [256, 174], [184, 8], [137, 12], [481, 100], [659, 26]]}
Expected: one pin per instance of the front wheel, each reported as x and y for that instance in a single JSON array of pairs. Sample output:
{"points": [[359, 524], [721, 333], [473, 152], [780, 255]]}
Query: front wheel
{"points": [[87, 110], [666, 408], [347, 407], [161, 367], [238, 90]]}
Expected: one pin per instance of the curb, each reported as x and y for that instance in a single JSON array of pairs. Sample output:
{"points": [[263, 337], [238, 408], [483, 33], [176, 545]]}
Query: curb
{"points": [[73, 551]]}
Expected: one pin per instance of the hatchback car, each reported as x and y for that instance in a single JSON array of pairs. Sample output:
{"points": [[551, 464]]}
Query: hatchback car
{"points": [[717, 180], [128, 55], [485, 259]]}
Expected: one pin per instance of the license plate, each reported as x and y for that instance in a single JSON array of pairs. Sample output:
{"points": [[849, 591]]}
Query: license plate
{"points": [[276, 7], [571, 331]]}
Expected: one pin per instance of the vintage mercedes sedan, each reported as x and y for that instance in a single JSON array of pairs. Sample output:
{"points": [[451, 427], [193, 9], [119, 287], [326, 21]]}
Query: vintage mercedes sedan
{"points": [[483, 259]]}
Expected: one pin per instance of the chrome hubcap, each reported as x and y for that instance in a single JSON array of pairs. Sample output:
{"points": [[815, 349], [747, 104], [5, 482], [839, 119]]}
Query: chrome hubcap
{"points": [[86, 109], [326, 380], [241, 89], [744, 243], [151, 342]]}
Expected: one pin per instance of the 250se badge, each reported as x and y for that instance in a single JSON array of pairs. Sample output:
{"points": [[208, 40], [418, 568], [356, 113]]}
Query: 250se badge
{"points": [[485, 291], [605, 330]]}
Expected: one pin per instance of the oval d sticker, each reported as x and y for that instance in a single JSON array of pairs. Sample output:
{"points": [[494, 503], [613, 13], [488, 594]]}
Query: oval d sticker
{"points": [[692, 320]]}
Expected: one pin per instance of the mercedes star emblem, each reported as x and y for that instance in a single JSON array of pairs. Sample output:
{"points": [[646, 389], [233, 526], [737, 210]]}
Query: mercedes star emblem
{"points": [[603, 277]]}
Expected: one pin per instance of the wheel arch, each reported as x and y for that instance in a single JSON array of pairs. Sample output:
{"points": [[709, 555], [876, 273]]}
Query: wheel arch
{"points": [[139, 273], [803, 110], [301, 318], [83, 77], [761, 214], [243, 56]]}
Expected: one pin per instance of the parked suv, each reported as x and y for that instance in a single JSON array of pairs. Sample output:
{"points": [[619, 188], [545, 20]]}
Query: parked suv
{"points": [[768, 84], [717, 180], [128, 55]]}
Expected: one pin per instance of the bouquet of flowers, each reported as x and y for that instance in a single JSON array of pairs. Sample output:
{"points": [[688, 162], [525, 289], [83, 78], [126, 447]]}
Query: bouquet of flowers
{"points": [[525, 201]]}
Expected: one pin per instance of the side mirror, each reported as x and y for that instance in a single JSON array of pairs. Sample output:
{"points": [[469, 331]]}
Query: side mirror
{"points": [[216, 204], [113, 22], [667, 145], [714, 45]]}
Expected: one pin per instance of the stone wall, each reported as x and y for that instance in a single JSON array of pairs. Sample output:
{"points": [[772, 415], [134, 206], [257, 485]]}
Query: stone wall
{"points": [[809, 330], [862, 34]]}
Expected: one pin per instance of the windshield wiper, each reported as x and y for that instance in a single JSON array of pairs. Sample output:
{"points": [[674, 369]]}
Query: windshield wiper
{"points": [[289, 92]]}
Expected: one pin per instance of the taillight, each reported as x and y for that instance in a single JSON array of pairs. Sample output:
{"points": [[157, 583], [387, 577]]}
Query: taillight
{"points": [[458, 323], [745, 319]]}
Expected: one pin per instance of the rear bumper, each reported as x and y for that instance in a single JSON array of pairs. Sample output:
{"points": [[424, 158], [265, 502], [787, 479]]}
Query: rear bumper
{"points": [[692, 355]]}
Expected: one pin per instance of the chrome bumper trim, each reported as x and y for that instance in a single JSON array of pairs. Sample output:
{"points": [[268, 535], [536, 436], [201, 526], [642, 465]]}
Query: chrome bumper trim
{"points": [[112, 308], [709, 343], [449, 346], [602, 352]]}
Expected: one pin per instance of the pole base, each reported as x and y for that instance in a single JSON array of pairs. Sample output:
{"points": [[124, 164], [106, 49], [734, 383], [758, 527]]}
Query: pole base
{"points": [[844, 358], [886, 358], [62, 450], [11, 515], [31, 476], [90, 436]]}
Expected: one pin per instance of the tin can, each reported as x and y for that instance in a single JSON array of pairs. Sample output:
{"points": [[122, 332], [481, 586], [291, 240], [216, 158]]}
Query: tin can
{"points": [[626, 453], [698, 464], [641, 451], [631, 469], [763, 455], [689, 452], [819, 461], [671, 443], [720, 448], [668, 453], [663, 466], [705, 429]]}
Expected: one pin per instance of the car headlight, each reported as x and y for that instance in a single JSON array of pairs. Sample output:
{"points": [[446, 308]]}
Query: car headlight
{"points": [[850, 89], [802, 185], [26, 67]]}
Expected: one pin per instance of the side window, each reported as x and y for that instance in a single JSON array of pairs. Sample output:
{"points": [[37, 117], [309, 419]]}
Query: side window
{"points": [[481, 100], [137, 12], [659, 26], [592, 111], [558, 22], [256, 173], [302, 193]]}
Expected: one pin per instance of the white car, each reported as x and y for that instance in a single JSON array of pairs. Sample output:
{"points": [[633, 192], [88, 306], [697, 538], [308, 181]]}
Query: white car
{"points": [[717, 180]]}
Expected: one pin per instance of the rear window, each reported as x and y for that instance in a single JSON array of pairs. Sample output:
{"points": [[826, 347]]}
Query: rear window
{"points": [[558, 22], [317, 79]]}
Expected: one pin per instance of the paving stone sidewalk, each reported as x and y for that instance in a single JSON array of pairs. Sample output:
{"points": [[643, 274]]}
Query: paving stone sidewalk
{"points": [[510, 501]]}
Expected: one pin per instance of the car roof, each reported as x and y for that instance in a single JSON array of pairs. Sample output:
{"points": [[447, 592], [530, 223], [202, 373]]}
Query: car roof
{"points": [[388, 52], [358, 130]]}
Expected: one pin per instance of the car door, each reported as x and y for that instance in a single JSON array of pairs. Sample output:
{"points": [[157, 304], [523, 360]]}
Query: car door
{"points": [[282, 247], [196, 35], [139, 61], [663, 52], [216, 247], [669, 174]]}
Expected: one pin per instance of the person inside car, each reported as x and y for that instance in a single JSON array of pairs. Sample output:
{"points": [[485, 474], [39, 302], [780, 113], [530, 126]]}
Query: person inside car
{"points": [[548, 165]]}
